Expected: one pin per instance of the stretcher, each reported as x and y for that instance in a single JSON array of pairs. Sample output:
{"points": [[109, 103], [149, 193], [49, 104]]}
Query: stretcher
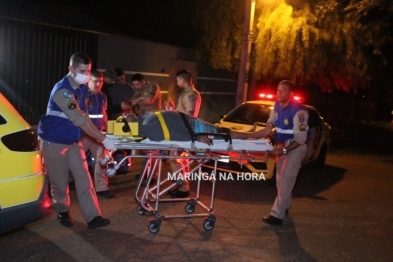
{"points": [[149, 195]]}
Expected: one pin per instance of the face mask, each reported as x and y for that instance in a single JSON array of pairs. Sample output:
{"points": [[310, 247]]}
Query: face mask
{"points": [[81, 78]]}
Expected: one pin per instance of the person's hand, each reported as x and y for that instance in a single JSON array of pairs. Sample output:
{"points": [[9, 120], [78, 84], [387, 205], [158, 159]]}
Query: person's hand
{"points": [[169, 105], [277, 151], [206, 140], [109, 144], [254, 127]]}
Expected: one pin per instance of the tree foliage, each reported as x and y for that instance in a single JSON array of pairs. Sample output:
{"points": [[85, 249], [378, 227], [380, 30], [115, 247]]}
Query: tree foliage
{"points": [[220, 40], [333, 44]]}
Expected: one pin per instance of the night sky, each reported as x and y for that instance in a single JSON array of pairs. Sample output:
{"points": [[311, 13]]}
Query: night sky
{"points": [[166, 21]]}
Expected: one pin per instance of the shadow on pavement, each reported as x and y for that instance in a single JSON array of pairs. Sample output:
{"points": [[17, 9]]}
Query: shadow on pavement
{"points": [[289, 245], [311, 181]]}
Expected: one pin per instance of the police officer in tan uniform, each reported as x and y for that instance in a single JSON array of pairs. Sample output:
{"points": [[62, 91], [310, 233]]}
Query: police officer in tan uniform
{"points": [[147, 96], [189, 102], [60, 130], [290, 118]]}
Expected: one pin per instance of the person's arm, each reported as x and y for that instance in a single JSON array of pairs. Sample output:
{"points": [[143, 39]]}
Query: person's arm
{"points": [[152, 96], [256, 134], [67, 103]]}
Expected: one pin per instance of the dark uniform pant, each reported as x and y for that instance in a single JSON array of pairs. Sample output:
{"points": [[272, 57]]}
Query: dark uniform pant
{"points": [[59, 160], [287, 169]]}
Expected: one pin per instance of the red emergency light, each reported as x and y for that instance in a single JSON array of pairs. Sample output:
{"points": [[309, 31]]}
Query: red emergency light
{"points": [[266, 96]]}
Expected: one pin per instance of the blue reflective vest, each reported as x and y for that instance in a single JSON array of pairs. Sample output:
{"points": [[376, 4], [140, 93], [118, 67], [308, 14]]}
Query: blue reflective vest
{"points": [[283, 120], [54, 126], [96, 110]]}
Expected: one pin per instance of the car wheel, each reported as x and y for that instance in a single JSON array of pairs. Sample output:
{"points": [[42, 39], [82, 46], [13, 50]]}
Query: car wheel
{"points": [[322, 157]]}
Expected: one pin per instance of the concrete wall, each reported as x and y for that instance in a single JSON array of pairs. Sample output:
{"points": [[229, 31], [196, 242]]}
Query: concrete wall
{"points": [[158, 63]]}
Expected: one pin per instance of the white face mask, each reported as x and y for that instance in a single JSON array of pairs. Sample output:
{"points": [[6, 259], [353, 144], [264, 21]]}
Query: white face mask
{"points": [[81, 78]]}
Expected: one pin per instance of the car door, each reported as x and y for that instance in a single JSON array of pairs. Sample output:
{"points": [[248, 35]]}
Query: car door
{"points": [[315, 134]]}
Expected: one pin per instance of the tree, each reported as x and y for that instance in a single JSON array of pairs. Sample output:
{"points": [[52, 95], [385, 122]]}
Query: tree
{"points": [[221, 32], [333, 44]]}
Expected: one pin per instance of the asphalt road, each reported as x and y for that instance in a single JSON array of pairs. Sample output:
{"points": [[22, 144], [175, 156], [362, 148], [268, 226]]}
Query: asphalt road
{"points": [[341, 213]]}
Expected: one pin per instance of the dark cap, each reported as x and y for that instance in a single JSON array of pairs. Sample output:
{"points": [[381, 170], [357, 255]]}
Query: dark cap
{"points": [[110, 74], [119, 71]]}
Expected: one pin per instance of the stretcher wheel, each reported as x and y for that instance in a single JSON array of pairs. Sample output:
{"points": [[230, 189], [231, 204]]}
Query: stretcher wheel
{"points": [[103, 161], [154, 226], [110, 172], [141, 210], [190, 208], [208, 225]]}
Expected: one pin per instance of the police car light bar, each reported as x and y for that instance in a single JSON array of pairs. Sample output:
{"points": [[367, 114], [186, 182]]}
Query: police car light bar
{"points": [[272, 97], [266, 96]]}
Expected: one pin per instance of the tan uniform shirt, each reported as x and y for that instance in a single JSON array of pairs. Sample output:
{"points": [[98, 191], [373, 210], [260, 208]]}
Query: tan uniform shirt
{"points": [[189, 101], [149, 89]]}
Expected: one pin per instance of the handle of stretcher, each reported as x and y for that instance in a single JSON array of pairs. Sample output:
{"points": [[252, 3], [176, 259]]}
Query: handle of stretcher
{"points": [[223, 135]]}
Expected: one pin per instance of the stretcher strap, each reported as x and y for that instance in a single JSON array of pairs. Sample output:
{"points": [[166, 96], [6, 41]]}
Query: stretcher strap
{"points": [[188, 126], [163, 125]]}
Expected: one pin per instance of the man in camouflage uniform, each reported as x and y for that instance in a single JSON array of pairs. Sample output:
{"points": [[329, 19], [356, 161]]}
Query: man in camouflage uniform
{"points": [[147, 96]]}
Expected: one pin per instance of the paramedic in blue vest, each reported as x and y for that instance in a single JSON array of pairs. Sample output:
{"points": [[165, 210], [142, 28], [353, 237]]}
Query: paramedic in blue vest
{"points": [[290, 119], [97, 112], [60, 131]]}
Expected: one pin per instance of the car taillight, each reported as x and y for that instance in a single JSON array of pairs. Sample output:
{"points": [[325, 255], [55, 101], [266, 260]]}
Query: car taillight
{"points": [[21, 141]]}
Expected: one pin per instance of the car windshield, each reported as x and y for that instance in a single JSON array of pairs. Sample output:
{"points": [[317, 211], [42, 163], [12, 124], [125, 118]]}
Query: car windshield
{"points": [[249, 114]]}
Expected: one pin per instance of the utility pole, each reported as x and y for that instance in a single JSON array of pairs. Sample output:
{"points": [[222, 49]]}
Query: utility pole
{"points": [[245, 52]]}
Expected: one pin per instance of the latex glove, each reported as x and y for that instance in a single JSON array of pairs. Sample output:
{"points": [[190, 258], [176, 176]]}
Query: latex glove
{"points": [[109, 144], [169, 105]]}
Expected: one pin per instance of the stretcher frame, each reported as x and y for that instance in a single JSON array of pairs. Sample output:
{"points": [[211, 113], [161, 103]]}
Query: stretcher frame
{"points": [[149, 196]]}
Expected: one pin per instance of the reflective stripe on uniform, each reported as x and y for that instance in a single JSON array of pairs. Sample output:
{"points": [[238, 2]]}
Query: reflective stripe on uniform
{"points": [[96, 116], [56, 113], [284, 131], [163, 125]]}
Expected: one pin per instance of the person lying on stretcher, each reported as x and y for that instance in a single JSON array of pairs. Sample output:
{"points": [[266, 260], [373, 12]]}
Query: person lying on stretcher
{"points": [[175, 126]]}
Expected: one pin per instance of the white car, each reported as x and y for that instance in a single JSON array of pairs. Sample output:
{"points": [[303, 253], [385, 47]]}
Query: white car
{"points": [[243, 117]]}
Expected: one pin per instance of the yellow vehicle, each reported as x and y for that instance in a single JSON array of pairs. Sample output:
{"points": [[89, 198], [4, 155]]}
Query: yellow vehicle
{"points": [[242, 119], [23, 184]]}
